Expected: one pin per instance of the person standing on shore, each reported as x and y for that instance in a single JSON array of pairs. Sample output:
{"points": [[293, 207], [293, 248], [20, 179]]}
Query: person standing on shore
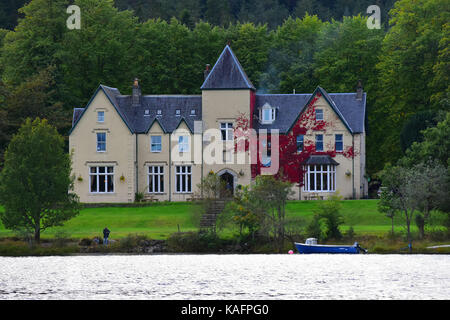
{"points": [[105, 235]]}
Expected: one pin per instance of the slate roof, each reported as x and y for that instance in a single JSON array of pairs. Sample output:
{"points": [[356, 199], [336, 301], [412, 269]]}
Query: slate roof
{"points": [[320, 160], [76, 114], [168, 104], [140, 121], [227, 73], [289, 107]]}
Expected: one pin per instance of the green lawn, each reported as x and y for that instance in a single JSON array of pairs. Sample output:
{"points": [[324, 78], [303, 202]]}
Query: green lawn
{"points": [[160, 220]]}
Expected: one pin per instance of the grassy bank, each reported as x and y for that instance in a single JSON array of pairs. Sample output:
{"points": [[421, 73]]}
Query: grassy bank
{"points": [[159, 221]]}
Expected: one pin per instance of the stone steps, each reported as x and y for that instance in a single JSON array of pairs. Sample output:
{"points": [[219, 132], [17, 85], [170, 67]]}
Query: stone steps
{"points": [[209, 218]]}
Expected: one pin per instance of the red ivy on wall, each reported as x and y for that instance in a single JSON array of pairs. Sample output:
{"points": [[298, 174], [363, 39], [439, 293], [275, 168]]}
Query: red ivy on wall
{"points": [[290, 161]]}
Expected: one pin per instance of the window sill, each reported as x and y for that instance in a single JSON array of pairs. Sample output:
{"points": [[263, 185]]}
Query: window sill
{"points": [[102, 193]]}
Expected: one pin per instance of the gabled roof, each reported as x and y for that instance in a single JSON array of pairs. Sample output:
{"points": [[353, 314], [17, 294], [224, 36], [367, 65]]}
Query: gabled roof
{"points": [[350, 110], [227, 73], [139, 119], [111, 94]]}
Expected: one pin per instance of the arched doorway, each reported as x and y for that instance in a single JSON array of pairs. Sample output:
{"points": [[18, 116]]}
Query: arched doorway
{"points": [[230, 179]]}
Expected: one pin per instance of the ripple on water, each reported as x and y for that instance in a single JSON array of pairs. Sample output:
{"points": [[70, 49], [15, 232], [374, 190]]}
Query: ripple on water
{"points": [[226, 277]]}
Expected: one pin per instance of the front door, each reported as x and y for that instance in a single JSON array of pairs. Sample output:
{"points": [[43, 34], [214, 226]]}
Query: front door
{"points": [[229, 183]]}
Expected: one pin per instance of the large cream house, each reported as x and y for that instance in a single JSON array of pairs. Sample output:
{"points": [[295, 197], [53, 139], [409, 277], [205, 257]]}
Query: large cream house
{"points": [[158, 144]]}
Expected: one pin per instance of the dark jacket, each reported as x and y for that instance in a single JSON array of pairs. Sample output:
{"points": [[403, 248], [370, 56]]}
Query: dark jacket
{"points": [[106, 233]]}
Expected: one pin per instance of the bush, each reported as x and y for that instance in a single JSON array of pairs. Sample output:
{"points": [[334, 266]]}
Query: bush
{"points": [[328, 211], [61, 238], [206, 241], [85, 242], [138, 197], [132, 241], [350, 233]]}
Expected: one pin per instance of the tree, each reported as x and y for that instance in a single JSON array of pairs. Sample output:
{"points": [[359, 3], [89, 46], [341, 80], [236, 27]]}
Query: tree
{"points": [[36, 180], [412, 56], [34, 44], [432, 189], [270, 195], [328, 210], [435, 145], [102, 51], [413, 127], [243, 213], [290, 60], [409, 190], [397, 194]]}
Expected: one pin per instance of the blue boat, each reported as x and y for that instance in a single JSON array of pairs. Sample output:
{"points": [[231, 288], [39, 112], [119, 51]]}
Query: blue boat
{"points": [[311, 246]]}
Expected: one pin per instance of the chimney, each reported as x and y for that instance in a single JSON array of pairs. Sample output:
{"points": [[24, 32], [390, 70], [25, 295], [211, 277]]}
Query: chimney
{"points": [[206, 72], [359, 90], [136, 96]]}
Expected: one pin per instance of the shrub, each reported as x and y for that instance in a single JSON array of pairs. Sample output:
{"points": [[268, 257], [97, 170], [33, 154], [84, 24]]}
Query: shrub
{"points": [[132, 241], [61, 238], [138, 197], [85, 242], [350, 233], [206, 241]]}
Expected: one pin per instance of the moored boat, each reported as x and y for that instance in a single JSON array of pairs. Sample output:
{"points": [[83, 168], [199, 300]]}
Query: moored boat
{"points": [[311, 246]]}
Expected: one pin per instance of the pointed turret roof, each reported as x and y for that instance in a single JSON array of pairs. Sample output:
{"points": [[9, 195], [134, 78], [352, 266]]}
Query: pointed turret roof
{"points": [[227, 73]]}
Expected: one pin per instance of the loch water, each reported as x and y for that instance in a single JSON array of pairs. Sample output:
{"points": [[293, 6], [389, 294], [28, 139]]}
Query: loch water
{"points": [[227, 277]]}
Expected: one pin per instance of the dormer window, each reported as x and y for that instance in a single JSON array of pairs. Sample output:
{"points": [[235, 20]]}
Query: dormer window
{"points": [[147, 112], [267, 114], [177, 112], [193, 112], [159, 112]]}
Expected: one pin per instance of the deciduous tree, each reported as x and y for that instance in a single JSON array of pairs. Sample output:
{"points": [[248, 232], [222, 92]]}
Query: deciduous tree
{"points": [[36, 180]]}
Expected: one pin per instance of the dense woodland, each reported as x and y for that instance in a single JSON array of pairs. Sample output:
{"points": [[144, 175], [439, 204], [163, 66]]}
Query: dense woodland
{"points": [[46, 69]]}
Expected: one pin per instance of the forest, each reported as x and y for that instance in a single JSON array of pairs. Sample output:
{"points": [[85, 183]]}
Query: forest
{"points": [[47, 69]]}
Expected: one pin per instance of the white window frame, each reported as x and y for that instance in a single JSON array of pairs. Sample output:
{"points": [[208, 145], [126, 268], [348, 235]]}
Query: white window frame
{"points": [[226, 131], [325, 172], [193, 112], [183, 144], [183, 179], [155, 144], [178, 112], [317, 141], [97, 174], [271, 112], [101, 118], [99, 142], [336, 142], [155, 179], [158, 112]]}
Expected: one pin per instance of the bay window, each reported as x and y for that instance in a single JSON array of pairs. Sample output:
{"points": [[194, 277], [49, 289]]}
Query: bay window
{"points": [[320, 178]]}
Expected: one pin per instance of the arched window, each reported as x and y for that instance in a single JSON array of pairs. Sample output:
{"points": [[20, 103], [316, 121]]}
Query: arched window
{"points": [[267, 114]]}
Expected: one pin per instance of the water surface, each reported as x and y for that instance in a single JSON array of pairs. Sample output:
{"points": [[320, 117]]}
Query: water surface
{"points": [[226, 277]]}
